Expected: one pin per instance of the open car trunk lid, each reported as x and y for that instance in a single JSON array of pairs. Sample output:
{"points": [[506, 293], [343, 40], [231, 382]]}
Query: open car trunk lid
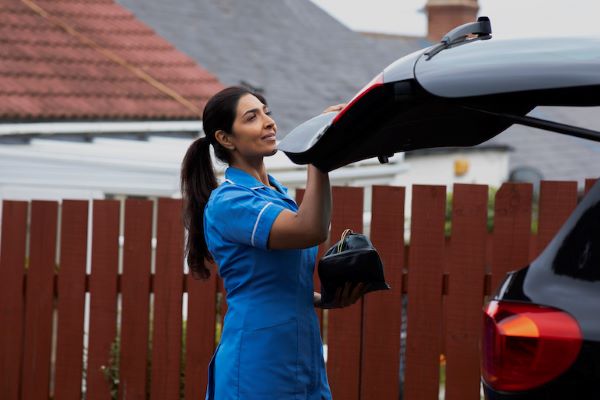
{"points": [[459, 94]]}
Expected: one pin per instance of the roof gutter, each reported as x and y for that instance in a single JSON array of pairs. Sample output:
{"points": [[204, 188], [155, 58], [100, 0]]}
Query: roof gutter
{"points": [[98, 128]]}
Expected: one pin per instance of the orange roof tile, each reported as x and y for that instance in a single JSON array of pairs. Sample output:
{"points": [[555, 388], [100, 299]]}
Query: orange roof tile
{"points": [[92, 59]]}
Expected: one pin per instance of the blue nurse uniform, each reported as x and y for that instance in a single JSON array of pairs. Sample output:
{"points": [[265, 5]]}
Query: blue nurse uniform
{"points": [[270, 344]]}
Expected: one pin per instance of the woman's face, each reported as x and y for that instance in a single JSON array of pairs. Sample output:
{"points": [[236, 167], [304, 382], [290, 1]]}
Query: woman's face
{"points": [[253, 129]]}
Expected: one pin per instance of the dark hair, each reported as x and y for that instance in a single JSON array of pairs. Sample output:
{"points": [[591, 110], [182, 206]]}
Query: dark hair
{"points": [[198, 177]]}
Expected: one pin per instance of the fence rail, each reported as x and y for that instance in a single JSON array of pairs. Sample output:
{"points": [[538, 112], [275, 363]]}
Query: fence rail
{"points": [[85, 316]]}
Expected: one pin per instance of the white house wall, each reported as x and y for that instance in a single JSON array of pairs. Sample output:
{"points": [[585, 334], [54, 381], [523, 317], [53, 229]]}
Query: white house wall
{"points": [[42, 168], [487, 167]]}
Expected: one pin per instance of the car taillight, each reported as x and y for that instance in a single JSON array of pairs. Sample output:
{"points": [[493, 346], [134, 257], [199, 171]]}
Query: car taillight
{"points": [[375, 82], [526, 345]]}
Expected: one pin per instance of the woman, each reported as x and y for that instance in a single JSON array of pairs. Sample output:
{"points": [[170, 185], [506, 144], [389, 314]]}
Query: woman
{"points": [[265, 249]]}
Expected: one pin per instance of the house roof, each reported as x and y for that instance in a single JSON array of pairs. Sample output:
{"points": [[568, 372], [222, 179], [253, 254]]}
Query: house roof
{"points": [[92, 60], [301, 57]]}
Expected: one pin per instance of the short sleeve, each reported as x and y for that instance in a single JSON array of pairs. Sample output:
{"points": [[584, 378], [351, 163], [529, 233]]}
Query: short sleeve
{"points": [[242, 216]]}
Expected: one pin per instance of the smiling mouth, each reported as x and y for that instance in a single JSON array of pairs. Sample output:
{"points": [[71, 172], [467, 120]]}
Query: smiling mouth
{"points": [[269, 137]]}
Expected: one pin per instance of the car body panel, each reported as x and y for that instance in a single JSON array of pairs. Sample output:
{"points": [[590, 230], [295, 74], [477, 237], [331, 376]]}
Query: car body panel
{"points": [[302, 138], [403, 68], [516, 65]]}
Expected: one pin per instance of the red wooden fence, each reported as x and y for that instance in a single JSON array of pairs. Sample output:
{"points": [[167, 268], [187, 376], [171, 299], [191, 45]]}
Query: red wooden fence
{"points": [[135, 293]]}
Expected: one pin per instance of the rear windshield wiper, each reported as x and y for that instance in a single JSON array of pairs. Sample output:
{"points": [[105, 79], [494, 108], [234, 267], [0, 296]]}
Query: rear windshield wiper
{"points": [[460, 35]]}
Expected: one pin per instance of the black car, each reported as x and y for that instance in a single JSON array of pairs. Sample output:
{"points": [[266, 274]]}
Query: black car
{"points": [[541, 337]]}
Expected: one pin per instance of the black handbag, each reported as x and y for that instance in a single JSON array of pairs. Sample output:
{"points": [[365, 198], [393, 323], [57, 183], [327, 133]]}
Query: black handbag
{"points": [[353, 259]]}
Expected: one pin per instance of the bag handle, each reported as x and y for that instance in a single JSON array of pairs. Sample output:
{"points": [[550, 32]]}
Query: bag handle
{"points": [[341, 243]]}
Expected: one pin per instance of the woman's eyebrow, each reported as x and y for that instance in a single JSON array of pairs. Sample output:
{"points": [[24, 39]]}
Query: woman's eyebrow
{"points": [[254, 110], [250, 111]]}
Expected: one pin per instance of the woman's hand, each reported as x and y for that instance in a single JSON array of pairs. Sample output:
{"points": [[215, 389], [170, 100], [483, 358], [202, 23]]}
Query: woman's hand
{"points": [[349, 295], [344, 297], [337, 107], [317, 299]]}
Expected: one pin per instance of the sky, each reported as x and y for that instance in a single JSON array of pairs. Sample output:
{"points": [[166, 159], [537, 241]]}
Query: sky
{"points": [[510, 18]]}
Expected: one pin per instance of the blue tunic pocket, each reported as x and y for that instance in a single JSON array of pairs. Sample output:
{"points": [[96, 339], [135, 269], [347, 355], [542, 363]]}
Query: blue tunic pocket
{"points": [[269, 362]]}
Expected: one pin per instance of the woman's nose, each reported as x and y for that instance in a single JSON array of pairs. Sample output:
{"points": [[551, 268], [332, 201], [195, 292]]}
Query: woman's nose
{"points": [[269, 122]]}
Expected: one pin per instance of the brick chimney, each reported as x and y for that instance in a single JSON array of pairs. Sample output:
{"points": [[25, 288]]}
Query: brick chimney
{"points": [[444, 15]]}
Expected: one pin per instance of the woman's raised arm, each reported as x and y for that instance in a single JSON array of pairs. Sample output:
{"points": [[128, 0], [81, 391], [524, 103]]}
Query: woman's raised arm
{"points": [[310, 225]]}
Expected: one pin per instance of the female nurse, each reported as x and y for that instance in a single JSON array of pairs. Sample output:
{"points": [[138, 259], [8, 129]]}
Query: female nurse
{"points": [[265, 247]]}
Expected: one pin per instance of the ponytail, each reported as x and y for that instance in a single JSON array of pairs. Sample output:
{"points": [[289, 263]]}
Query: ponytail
{"points": [[197, 182]]}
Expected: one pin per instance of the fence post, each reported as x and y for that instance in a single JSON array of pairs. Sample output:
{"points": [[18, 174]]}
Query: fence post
{"points": [[344, 325], [426, 258], [557, 202], [512, 230], [39, 301], [12, 269], [464, 299], [380, 372], [168, 292], [135, 292], [589, 183], [103, 295], [200, 333], [71, 299]]}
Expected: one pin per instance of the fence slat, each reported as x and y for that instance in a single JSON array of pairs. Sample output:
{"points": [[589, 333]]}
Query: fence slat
{"points": [[200, 333], [168, 289], [38, 303], [135, 289], [512, 230], [12, 268], [465, 291], [557, 201], [344, 325], [71, 299], [426, 257], [589, 183], [383, 310], [103, 295]]}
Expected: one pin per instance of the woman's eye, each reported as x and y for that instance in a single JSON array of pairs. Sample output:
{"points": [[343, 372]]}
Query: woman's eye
{"points": [[268, 112]]}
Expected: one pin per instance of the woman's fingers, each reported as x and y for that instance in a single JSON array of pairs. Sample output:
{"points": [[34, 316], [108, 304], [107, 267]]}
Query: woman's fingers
{"points": [[347, 290], [349, 294], [338, 296], [337, 107], [357, 292]]}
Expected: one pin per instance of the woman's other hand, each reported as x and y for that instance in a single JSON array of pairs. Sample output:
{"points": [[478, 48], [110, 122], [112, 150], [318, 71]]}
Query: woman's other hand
{"points": [[349, 295], [345, 296], [336, 108]]}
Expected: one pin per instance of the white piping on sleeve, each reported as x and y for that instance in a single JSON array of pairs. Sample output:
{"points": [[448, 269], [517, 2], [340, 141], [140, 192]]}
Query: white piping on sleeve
{"points": [[258, 219]]}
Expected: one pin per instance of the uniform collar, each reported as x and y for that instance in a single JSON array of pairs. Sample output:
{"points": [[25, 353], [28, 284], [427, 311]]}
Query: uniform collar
{"points": [[238, 177]]}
